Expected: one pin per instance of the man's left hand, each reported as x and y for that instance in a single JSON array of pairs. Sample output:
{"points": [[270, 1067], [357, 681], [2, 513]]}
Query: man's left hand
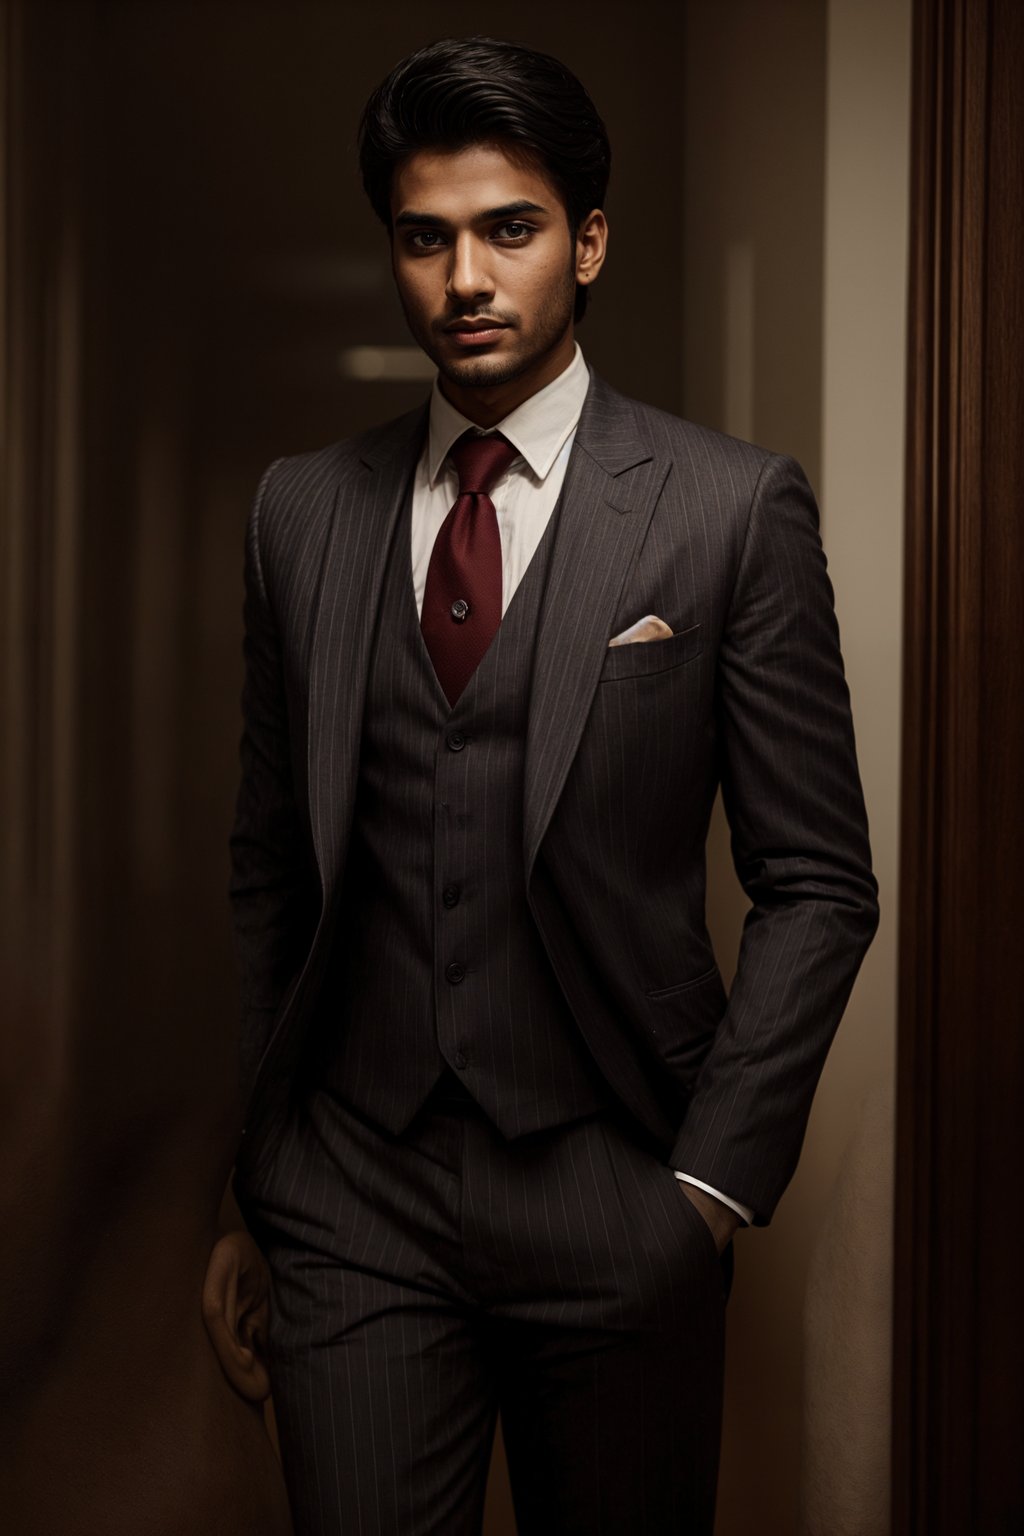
{"points": [[722, 1220]]}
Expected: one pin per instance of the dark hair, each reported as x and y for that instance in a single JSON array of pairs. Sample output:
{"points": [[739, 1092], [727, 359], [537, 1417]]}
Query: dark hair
{"points": [[475, 90]]}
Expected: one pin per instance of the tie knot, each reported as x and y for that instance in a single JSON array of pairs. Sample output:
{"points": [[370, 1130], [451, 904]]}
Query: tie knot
{"points": [[480, 460]]}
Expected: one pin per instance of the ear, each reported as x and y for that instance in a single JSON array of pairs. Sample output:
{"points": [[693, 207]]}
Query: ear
{"points": [[591, 246], [236, 1307]]}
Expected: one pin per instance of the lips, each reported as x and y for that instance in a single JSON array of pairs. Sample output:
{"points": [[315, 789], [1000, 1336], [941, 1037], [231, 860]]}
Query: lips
{"points": [[474, 333], [481, 323]]}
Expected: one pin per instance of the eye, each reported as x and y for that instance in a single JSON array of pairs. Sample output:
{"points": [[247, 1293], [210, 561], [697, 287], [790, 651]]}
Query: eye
{"points": [[425, 240], [514, 231]]}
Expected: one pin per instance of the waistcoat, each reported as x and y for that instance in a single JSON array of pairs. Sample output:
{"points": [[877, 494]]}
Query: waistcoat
{"points": [[438, 966]]}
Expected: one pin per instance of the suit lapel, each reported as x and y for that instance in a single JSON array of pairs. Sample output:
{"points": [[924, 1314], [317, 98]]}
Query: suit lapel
{"points": [[611, 488], [366, 508]]}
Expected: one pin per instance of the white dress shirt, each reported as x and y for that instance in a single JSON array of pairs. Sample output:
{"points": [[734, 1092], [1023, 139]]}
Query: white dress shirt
{"points": [[542, 429]]}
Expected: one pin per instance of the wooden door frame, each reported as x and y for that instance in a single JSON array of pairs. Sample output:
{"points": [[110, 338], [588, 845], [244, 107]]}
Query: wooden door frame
{"points": [[958, 1334]]}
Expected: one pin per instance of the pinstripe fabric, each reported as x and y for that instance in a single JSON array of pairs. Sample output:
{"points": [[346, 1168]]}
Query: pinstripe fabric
{"points": [[421, 1283], [422, 1279], [623, 752], [434, 880]]}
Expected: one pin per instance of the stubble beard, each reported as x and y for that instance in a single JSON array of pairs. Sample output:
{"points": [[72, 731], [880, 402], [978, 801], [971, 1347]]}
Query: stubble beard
{"points": [[550, 326]]}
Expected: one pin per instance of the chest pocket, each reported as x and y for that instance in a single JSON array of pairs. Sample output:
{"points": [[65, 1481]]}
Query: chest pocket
{"points": [[640, 658]]}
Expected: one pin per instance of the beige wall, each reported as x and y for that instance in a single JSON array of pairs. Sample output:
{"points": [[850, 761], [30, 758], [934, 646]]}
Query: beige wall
{"points": [[848, 1306], [796, 177]]}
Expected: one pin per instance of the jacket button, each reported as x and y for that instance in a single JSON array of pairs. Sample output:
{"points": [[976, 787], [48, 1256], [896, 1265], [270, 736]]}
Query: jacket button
{"points": [[460, 1058], [456, 741], [455, 973], [450, 895]]}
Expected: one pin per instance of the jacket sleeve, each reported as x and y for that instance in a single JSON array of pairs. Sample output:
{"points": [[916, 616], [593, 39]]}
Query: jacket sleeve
{"points": [[793, 798], [274, 894]]}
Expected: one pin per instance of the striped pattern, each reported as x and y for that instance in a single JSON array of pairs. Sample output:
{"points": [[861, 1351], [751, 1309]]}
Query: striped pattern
{"points": [[425, 1280], [623, 755], [434, 878], [423, 1283]]}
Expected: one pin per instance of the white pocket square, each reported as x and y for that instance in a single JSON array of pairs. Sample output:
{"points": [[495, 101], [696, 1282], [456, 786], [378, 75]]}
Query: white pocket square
{"points": [[650, 627]]}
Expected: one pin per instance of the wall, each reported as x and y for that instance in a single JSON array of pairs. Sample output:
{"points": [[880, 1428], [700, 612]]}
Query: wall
{"points": [[848, 1316], [224, 257], [796, 175]]}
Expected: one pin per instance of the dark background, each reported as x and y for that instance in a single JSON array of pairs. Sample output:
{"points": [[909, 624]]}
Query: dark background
{"points": [[187, 253]]}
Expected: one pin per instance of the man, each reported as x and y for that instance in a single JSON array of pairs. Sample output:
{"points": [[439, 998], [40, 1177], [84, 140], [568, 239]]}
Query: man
{"points": [[500, 653]]}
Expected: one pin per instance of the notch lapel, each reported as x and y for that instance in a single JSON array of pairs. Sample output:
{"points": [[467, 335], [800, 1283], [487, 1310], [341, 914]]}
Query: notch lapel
{"points": [[611, 488], [366, 509]]}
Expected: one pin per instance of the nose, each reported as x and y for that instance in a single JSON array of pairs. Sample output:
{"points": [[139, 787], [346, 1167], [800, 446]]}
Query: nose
{"points": [[469, 278]]}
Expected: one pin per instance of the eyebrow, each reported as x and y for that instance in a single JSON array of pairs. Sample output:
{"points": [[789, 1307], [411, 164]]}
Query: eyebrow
{"points": [[434, 221]]}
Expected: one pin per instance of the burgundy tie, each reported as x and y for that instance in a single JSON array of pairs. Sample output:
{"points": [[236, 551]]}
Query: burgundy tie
{"points": [[462, 597]]}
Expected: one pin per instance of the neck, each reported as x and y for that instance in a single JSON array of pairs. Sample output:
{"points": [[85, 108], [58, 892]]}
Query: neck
{"points": [[487, 404]]}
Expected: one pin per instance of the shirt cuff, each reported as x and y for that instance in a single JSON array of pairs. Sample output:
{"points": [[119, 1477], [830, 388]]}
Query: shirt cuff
{"points": [[743, 1211]]}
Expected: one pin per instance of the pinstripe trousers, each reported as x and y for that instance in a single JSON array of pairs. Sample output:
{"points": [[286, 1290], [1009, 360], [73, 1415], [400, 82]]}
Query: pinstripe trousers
{"points": [[424, 1282]]}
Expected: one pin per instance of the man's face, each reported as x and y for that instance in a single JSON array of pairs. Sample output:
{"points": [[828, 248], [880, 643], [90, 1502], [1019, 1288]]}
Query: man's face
{"points": [[486, 272]]}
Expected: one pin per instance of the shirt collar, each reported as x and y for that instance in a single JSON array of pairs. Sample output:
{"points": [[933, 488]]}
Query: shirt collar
{"points": [[538, 428]]}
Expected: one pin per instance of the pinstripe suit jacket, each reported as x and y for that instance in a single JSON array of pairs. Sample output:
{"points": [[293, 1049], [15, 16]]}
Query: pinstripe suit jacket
{"points": [[625, 748]]}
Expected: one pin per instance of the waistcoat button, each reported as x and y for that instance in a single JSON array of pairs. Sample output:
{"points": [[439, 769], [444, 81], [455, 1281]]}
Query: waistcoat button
{"points": [[455, 973], [460, 1060], [456, 741], [450, 895]]}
